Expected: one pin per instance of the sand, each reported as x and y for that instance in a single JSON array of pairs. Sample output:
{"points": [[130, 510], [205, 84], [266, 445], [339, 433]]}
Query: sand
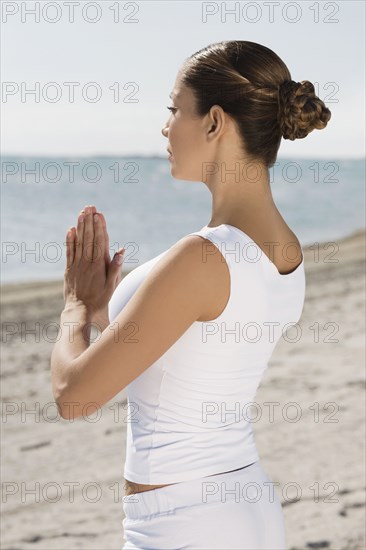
{"points": [[62, 481]]}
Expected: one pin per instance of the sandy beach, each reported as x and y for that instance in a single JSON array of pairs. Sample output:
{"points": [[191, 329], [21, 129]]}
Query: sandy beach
{"points": [[62, 481]]}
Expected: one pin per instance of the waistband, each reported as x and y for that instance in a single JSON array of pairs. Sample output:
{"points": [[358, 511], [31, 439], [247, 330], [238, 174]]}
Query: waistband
{"points": [[246, 483]]}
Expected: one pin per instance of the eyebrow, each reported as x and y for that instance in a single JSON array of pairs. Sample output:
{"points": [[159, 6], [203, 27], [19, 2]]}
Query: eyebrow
{"points": [[175, 95]]}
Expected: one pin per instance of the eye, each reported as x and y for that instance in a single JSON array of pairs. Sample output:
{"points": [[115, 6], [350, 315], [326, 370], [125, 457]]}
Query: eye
{"points": [[172, 109]]}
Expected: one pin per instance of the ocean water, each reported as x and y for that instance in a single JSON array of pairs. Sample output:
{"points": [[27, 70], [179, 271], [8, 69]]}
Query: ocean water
{"points": [[147, 210]]}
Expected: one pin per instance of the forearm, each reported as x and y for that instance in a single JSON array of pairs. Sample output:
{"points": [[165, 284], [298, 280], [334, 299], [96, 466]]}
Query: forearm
{"points": [[73, 340]]}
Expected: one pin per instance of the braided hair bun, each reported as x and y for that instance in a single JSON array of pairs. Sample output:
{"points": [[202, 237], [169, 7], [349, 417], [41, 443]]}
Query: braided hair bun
{"points": [[300, 110]]}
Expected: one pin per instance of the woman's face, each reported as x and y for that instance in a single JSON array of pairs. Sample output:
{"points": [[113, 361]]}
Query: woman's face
{"points": [[186, 134]]}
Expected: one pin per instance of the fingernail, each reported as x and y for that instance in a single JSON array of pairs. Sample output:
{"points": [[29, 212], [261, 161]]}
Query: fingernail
{"points": [[96, 217], [81, 218]]}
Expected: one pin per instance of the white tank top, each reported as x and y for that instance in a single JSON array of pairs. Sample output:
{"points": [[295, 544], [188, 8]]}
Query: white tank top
{"points": [[189, 414]]}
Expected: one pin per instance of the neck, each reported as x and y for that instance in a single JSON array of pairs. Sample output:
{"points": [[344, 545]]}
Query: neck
{"points": [[241, 201]]}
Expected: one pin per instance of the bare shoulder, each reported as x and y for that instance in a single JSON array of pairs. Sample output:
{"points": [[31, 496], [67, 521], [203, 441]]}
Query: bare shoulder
{"points": [[288, 255], [199, 258]]}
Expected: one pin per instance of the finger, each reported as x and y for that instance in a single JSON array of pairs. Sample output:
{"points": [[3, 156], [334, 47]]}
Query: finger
{"points": [[70, 247], [88, 244], [91, 207], [115, 269], [99, 243], [119, 277], [95, 248], [106, 238], [79, 239]]}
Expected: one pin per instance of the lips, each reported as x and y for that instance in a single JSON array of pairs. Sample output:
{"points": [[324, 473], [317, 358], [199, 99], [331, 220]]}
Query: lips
{"points": [[169, 151]]}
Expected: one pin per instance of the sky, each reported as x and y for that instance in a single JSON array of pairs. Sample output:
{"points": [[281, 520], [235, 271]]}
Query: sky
{"points": [[121, 59]]}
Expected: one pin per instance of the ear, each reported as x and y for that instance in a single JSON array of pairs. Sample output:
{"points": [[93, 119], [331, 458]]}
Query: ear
{"points": [[216, 121]]}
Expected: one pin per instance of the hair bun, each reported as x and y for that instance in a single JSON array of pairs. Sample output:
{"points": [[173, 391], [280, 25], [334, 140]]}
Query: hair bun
{"points": [[300, 110]]}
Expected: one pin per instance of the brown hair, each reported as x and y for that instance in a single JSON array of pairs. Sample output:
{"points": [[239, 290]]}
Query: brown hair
{"points": [[254, 86]]}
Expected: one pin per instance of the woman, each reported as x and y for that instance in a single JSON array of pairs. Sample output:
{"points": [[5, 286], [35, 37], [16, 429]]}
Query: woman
{"points": [[192, 330]]}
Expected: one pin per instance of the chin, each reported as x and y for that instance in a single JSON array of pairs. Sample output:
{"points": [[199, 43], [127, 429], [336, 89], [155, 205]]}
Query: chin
{"points": [[182, 175]]}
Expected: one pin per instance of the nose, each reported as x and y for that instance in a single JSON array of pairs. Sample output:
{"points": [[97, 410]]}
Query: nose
{"points": [[164, 131]]}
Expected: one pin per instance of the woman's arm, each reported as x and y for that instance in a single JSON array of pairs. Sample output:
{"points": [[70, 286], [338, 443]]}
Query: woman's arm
{"points": [[88, 274], [74, 339], [182, 287]]}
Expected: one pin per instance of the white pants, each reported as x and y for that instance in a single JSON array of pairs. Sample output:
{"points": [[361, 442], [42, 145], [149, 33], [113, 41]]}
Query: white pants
{"points": [[235, 510]]}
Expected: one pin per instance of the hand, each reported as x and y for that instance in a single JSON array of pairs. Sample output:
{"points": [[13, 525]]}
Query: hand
{"points": [[90, 276]]}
